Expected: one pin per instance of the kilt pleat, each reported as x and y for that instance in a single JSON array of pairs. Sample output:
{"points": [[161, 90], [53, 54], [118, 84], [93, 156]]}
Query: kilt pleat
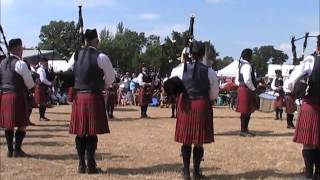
{"points": [[308, 125], [41, 95], [279, 102], [145, 96], [14, 111], [246, 100], [88, 115], [194, 121]]}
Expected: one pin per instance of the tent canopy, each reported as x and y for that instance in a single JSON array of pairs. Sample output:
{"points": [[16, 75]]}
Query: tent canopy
{"points": [[229, 71]]}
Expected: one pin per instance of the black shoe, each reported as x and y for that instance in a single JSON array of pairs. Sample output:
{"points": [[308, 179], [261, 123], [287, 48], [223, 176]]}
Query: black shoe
{"points": [[20, 153], [186, 176], [198, 176], [291, 127], [111, 116], [10, 154], [31, 123], [82, 168], [94, 170]]}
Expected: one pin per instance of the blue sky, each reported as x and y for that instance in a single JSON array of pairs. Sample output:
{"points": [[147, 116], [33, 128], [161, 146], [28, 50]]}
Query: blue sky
{"points": [[231, 25]]}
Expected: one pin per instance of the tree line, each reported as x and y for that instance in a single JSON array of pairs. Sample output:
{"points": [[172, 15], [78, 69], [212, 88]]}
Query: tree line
{"points": [[128, 50]]}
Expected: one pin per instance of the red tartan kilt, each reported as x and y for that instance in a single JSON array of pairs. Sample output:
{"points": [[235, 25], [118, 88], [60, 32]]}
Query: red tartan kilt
{"points": [[70, 94], [14, 111], [278, 103], [41, 95], [88, 115], [245, 102], [112, 97], [194, 121], [291, 106], [145, 96], [308, 125]]}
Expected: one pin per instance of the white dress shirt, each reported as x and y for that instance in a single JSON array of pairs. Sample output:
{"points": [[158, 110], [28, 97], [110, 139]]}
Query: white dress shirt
{"points": [[305, 67], [43, 77], [22, 69], [246, 73], [104, 63], [212, 76], [140, 79]]}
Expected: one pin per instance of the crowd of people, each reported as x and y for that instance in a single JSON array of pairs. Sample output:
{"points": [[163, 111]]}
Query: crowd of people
{"points": [[191, 89]]}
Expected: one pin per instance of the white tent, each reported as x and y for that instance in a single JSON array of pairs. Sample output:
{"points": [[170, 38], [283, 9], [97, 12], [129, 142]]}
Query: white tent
{"points": [[285, 68], [229, 71]]}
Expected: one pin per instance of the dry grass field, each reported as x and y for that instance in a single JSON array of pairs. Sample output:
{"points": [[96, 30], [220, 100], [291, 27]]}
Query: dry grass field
{"points": [[145, 149]]}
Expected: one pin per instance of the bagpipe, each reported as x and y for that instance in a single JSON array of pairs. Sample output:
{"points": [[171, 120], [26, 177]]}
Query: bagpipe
{"points": [[4, 55], [302, 83], [174, 86]]}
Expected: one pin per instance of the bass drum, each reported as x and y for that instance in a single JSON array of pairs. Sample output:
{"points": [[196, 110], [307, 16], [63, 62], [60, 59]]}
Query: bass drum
{"points": [[266, 102]]}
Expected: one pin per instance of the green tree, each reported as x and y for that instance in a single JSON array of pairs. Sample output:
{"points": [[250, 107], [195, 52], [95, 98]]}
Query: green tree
{"points": [[61, 36], [265, 55]]}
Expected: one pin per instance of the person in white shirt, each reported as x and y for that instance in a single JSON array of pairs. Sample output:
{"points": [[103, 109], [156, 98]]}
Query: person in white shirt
{"points": [[277, 86], [93, 72], [145, 91], [16, 81], [42, 96], [246, 102], [308, 122], [194, 124]]}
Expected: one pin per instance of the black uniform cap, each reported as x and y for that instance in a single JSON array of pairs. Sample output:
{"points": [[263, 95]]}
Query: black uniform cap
{"points": [[246, 53], [43, 59], [197, 48], [14, 43], [90, 34]]}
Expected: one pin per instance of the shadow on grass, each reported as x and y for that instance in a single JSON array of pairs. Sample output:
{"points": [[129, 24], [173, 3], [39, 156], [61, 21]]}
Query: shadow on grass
{"points": [[125, 109], [99, 157], [43, 143], [258, 133], [259, 174], [176, 167]]}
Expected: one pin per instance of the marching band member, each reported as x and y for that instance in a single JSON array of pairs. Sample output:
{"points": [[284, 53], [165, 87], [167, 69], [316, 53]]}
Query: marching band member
{"points": [[194, 108], [93, 71], [277, 85], [42, 89], [308, 122], [245, 101], [16, 81], [145, 91]]}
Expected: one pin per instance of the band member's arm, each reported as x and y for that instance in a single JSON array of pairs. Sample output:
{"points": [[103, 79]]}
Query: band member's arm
{"points": [[246, 72], [273, 84], [140, 80], [305, 67], [42, 76], [71, 62], [22, 69], [105, 64], [178, 71], [213, 83]]}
